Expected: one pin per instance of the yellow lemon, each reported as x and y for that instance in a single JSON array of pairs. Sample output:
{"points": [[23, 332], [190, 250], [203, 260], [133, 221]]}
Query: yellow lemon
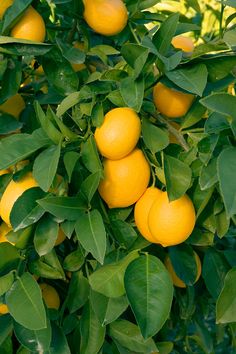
{"points": [[3, 309], [184, 43], [119, 133], [125, 180], [107, 17], [14, 106], [4, 4], [50, 296], [12, 192], [142, 209], [171, 223], [31, 26], [170, 102], [176, 280]]}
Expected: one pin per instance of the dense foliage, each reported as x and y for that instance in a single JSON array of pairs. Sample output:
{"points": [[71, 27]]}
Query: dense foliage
{"points": [[116, 295]]}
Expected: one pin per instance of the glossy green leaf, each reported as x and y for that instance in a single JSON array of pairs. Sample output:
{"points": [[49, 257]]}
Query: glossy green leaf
{"points": [[9, 258], [129, 336], [163, 37], [91, 234], [150, 292], [132, 92], [8, 124], [74, 260], [13, 14], [25, 303], [109, 279], [178, 177], [90, 185], [92, 332], [45, 166], [59, 344], [70, 159], [34, 340], [226, 302], [6, 282], [78, 292], [6, 325], [226, 169], [45, 236], [154, 138], [11, 80], [90, 156]]}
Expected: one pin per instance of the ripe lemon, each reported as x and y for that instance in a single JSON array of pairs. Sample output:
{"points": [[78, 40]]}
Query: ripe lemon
{"points": [[183, 43], [176, 280], [4, 172], [50, 296], [170, 102], [4, 6], [31, 26], [12, 192], [60, 238], [125, 180], [3, 309], [14, 106], [141, 211], [107, 17], [171, 223], [4, 230], [119, 133]]}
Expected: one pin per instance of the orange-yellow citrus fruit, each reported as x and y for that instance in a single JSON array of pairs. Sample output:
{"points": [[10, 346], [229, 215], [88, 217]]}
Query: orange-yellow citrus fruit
{"points": [[170, 102], [176, 280], [4, 172], [107, 17], [3, 309], [125, 180], [141, 211], [4, 4], [119, 133], [14, 106], [184, 43], [50, 296], [171, 223], [61, 237], [4, 230], [12, 192], [31, 26]]}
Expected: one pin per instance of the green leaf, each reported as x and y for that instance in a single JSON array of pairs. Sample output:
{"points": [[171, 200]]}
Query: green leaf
{"points": [[25, 303], [48, 127], [163, 37], [17, 147], [70, 159], [192, 79], [226, 169], [194, 115], [154, 138], [63, 207], [13, 13], [90, 185], [107, 309], [9, 258], [92, 332], [208, 175], [59, 344], [5, 327], [136, 56], [150, 292], [74, 260], [45, 166], [184, 263], [220, 67], [230, 37], [25, 210], [46, 234], [91, 234], [132, 92], [214, 271], [33, 340], [78, 292], [178, 177], [68, 102], [109, 279], [129, 336], [123, 232], [6, 282], [98, 115], [90, 155], [11, 80], [8, 124], [226, 302]]}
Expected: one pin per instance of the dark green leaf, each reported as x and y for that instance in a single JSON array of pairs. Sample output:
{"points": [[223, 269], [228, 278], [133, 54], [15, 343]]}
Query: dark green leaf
{"points": [[70, 159], [163, 37], [8, 124], [132, 92], [154, 138], [59, 344], [90, 155], [78, 292], [226, 302], [9, 258], [45, 236]]}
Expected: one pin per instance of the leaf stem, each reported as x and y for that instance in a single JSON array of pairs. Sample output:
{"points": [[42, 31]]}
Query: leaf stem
{"points": [[134, 34], [221, 19]]}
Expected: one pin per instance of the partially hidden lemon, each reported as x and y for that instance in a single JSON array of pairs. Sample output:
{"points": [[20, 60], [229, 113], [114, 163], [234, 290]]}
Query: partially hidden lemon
{"points": [[170, 102], [175, 279], [184, 43], [171, 223], [4, 4], [4, 172], [50, 296], [60, 237], [3, 309], [107, 17], [125, 180], [12, 192], [119, 133], [142, 209], [14, 106], [31, 26], [4, 230]]}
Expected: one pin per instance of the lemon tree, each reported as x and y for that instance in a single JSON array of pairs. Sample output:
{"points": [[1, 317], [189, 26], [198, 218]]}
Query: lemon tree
{"points": [[117, 176]]}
